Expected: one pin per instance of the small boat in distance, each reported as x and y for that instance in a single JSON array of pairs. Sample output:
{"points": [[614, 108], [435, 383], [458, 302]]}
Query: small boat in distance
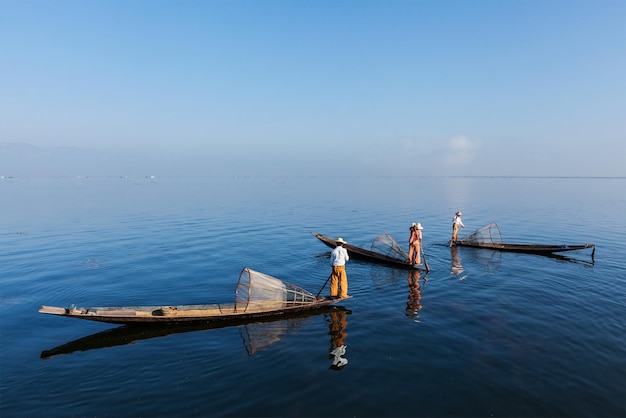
{"points": [[385, 250], [257, 295], [489, 237]]}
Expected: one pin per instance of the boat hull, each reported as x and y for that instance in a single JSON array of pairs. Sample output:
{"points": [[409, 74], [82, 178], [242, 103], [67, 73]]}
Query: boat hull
{"points": [[186, 313], [526, 248], [130, 334]]}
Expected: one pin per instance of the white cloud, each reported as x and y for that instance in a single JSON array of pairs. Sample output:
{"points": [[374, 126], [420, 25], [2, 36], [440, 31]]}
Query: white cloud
{"points": [[461, 151]]}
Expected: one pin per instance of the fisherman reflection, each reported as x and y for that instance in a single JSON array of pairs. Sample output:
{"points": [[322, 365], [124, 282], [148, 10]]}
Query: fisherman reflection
{"points": [[457, 267], [414, 303], [338, 324]]}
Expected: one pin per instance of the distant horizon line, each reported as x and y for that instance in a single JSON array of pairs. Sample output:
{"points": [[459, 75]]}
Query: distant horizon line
{"points": [[153, 177]]}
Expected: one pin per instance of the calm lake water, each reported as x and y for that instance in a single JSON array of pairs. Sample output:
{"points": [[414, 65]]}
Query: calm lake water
{"points": [[483, 334]]}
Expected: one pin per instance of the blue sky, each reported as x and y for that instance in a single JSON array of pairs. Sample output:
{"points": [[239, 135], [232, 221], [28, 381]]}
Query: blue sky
{"points": [[306, 87]]}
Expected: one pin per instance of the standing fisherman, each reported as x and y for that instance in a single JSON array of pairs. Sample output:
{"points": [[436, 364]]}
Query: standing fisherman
{"points": [[415, 243], [456, 222], [339, 278]]}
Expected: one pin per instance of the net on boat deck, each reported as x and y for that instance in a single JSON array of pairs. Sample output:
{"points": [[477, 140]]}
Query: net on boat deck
{"points": [[385, 244], [489, 234], [260, 292]]}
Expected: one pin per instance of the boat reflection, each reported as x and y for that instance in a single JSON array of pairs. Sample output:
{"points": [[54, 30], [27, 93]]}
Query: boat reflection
{"points": [[338, 322], [383, 276], [414, 302], [257, 335], [490, 260], [573, 260]]}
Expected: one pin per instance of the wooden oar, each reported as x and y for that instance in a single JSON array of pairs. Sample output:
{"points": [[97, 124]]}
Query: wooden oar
{"points": [[318, 293], [593, 252], [425, 262]]}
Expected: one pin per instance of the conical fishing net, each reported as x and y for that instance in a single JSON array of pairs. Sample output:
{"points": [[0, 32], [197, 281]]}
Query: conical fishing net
{"points": [[385, 244], [489, 234], [260, 292]]}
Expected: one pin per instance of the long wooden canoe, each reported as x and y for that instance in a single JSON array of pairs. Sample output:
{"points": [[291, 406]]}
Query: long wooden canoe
{"points": [[129, 334], [527, 248], [489, 237], [258, 295], [184, 313], [363, 254]]}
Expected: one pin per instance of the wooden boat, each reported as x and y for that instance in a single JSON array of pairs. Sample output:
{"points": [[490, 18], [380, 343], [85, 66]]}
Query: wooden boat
{"points": [[254, 332], [527, 248], [489, 237], [257, 295], [395, 257]]}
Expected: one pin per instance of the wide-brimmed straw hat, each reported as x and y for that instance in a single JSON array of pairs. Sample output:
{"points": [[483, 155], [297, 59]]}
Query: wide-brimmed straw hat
{"points": [[340, 241], [413, 225], [419, 226]]}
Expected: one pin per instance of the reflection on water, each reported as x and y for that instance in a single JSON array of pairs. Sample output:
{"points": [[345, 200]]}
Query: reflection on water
{"points": [[490, 260], [260, 335], [414, 303], [337, 331], [383, 276], [256, 335], [457, 266], [585, 263]]}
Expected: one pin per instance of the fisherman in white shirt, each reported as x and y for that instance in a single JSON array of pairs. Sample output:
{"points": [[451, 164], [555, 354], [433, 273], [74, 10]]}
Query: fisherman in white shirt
{"points": [[456, 222], [339, 278]]}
